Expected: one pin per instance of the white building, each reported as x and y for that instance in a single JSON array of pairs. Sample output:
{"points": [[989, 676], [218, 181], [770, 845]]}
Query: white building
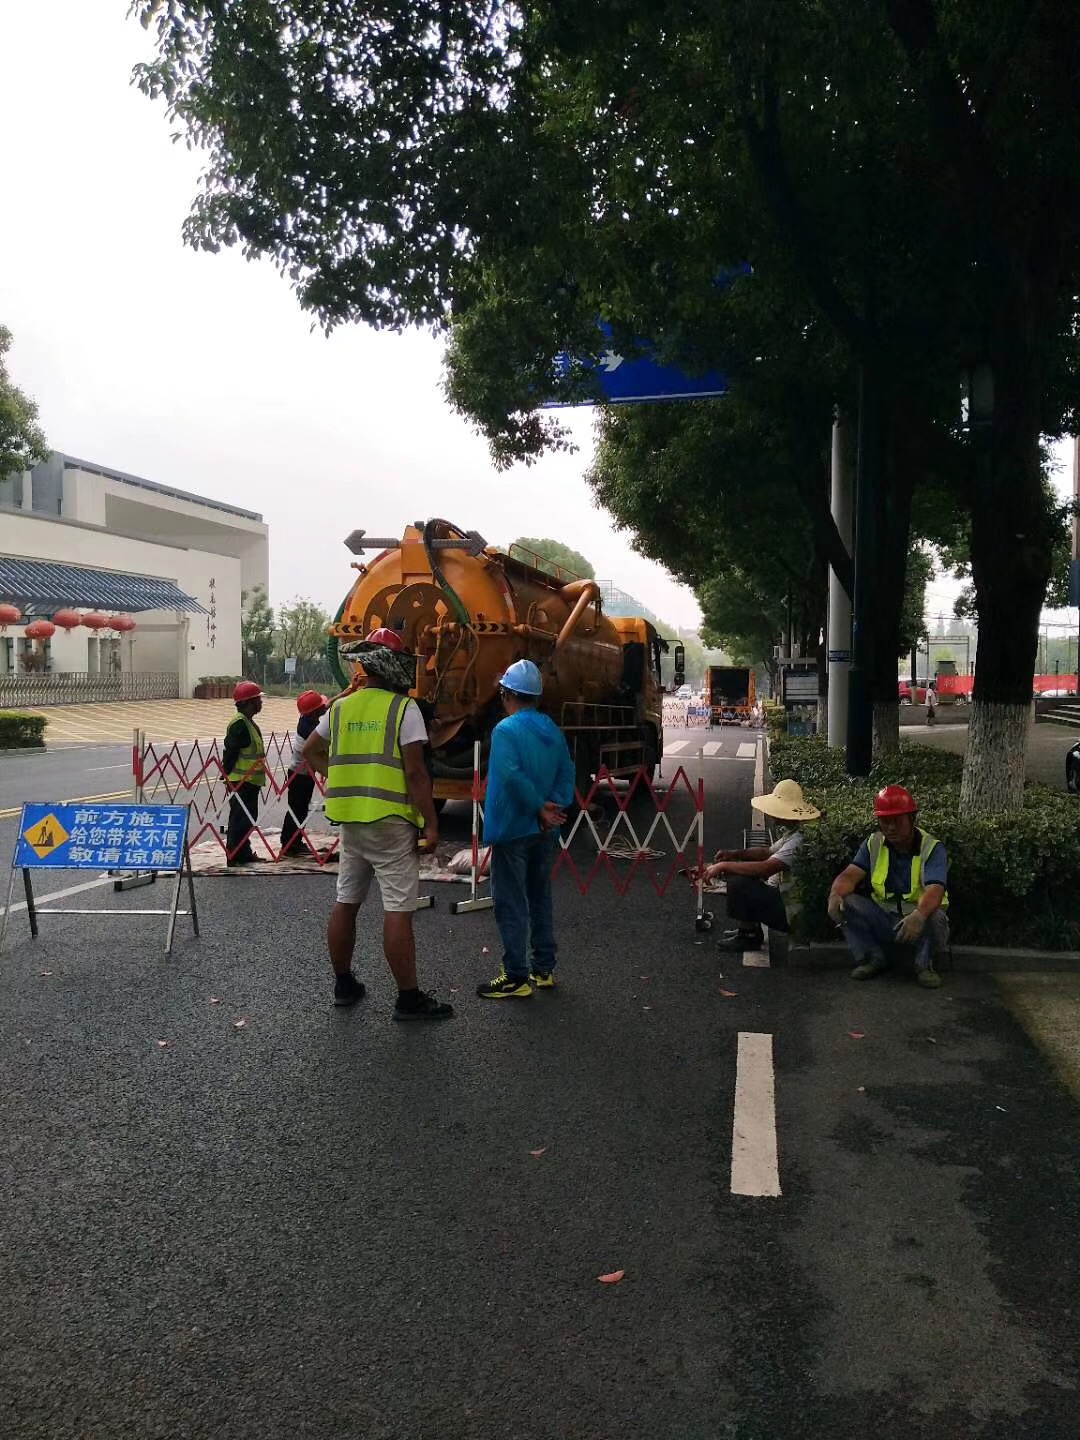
{"points": [[74, 534]]}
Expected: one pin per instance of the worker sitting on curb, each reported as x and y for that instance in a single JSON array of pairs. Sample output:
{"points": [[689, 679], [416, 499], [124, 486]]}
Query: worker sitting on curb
{"points": [[908, 873], [759, 882], [312, 707], [243, 759]]}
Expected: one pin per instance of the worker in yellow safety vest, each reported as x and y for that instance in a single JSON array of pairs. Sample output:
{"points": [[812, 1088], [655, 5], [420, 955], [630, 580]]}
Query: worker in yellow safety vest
{"points": [[243, 760], [370, 746], [907, 873]]}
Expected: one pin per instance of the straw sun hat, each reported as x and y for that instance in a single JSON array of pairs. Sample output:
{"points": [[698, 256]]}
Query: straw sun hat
{"points": [[786, 802]]}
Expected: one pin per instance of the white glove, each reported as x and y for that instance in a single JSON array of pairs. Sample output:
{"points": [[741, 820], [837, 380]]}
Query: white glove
{"points": [[909, 931]]}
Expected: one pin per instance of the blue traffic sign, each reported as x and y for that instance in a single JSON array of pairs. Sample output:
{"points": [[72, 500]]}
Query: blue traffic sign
{"points": [[627, 381], [101, 837]]}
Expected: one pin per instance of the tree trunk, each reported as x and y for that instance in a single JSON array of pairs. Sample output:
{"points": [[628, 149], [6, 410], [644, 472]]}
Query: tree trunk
{"points": [[1011, 548], [994, 767], [886, 729]]}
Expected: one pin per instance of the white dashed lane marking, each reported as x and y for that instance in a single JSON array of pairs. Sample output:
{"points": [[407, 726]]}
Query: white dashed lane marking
{"points": [[754, 1166], [747, 750]]}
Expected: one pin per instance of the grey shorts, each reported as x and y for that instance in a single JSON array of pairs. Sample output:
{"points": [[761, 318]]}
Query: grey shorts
{"points": [[386, 849]]}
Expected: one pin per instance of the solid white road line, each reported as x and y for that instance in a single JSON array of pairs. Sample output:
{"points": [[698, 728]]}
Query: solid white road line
{"points": [[754, 1167], [713, 748], [759, 766], [42, 897], [746, 751]]}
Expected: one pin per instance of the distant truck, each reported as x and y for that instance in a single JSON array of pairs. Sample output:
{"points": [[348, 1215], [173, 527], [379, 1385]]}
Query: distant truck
{"points": [[730, 691]]}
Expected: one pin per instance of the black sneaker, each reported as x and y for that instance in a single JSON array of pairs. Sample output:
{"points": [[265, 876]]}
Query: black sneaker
{"points": [[506, 987], [347, 989], [741, 940], [424, 1007]]}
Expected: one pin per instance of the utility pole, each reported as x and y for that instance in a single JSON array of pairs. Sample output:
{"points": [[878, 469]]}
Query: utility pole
{"points": [[860, 732], [839, 636]]}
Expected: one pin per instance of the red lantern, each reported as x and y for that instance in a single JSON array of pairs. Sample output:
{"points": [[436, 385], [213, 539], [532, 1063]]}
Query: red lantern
{"points": [[121, 623], [94, 620], [40, 630], [9, 615], [67, 619]]}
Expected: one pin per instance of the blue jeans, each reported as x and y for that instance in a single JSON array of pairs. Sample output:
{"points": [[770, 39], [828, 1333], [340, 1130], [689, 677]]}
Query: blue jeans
{"points": [[869, 931], [521, 889]]}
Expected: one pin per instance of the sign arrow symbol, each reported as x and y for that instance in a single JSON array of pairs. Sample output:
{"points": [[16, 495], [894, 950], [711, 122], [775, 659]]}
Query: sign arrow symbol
{"points": [[610, 362]]}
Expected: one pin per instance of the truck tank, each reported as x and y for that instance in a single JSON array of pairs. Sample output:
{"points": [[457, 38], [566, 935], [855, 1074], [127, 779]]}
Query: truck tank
{"points": [[468, 611]]}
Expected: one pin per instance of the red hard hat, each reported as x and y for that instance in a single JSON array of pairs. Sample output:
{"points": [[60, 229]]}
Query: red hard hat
{"points": [[246, 690], [310, 701], [385, 636], [894, 800]]}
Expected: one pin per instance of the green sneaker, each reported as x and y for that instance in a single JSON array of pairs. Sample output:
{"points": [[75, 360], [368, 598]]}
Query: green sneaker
{"points": [[543, 979], [875, 965], [929, 979]]}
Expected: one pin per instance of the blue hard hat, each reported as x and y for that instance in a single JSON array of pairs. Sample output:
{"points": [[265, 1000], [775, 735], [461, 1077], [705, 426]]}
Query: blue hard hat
{"points": [[523, 678]]}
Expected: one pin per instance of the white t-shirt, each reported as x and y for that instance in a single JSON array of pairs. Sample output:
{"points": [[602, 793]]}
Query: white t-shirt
{"points": [[785, 849], [413, 730]]}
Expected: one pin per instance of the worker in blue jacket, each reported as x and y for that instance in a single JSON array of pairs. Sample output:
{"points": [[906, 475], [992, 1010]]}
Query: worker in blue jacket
{"points": [[530, 782]]}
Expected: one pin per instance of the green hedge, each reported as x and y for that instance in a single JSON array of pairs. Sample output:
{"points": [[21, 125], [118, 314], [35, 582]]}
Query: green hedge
{"points": [[1013, 879], [21, 732]]}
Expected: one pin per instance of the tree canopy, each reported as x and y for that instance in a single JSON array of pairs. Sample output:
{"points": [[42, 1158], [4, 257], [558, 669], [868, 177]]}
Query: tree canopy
{"points": [[902, 176], [22, 440], [557, 555]]}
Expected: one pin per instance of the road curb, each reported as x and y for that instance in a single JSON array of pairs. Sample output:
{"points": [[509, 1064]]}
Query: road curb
{"points": [[977, 959]]}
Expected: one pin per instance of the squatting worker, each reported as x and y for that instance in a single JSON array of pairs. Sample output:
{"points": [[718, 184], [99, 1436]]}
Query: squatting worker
{"points": [[759, 881], [370, 747], [530, 781], [907, 871], [311, 707], [243, 758]]}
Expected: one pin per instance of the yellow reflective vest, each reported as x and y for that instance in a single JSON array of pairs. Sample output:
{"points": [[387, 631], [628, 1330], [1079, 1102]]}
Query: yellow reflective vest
{"points": [[879, 872], [248, 767], [365, 777]]}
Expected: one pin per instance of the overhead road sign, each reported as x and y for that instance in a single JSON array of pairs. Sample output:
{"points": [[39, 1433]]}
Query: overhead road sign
{"points": [[625, 382], [102, 836]]}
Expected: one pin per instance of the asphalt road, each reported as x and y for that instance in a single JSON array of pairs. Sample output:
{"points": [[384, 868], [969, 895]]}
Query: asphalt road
{"points": [[321, 1224]]}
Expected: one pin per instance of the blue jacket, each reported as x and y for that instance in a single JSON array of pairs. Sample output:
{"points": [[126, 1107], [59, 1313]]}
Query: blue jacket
{"points": [[529, 765]]}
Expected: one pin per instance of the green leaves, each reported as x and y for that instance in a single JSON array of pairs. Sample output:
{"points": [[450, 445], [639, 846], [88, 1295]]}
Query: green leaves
{"points": [[22, 440]]}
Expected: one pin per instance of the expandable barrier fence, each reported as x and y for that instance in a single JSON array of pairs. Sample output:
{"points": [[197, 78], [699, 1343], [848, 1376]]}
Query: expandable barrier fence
{"points": [[615, 817], [192, 774]]}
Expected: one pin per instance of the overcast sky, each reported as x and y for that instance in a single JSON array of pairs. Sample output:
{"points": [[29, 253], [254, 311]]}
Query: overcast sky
{"points": [[201, 371]]}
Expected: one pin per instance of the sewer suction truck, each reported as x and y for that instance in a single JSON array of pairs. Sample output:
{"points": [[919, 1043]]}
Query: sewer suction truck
{"points": [[467, 610]]}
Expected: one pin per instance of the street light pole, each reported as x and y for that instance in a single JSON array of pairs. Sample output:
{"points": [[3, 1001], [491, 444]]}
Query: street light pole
{"points": [[860, 733]]}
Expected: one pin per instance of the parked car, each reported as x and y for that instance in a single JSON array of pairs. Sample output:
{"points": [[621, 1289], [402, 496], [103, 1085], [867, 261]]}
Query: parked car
{"points": [[1072, 768], [904, 693]]}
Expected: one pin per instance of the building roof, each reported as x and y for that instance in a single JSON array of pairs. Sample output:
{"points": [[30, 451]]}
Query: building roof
{"points": [[45, 586], [137, 480]]}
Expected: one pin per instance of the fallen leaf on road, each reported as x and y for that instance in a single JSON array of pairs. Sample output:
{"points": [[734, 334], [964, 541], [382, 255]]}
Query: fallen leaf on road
{"points": [[45, 972], [612, 1277], [862, 1089], [453, 989], [930, 1040], [537, 1153], [646, 1007], [644, 977], [485, 949], [1001, 1108], [239, 1024], [729, 994], [856, 1034], [214, 1000], [162, 1044]]}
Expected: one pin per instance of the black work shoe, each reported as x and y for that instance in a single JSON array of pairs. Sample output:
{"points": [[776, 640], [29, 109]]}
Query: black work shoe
{"points": [[742, 940], [424, 1007], [347, 989]]}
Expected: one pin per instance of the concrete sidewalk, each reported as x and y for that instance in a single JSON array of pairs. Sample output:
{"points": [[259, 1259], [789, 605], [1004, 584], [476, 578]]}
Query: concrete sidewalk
{"points": [[1046, 746]]}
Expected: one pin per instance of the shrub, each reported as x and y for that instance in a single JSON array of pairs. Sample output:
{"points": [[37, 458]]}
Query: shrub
{"points": [[1013, 879], [21, 732]]}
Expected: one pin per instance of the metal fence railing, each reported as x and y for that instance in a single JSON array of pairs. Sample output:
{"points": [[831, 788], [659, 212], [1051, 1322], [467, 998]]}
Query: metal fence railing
{"points": [[81, 688]]}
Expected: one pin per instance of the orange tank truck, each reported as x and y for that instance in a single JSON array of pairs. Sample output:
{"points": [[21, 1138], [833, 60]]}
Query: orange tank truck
{"points": [[469, 610]]}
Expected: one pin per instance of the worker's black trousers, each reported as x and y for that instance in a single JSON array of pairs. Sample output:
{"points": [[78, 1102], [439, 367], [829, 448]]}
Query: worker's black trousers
{"points": [[301, 789], [243, 810]]}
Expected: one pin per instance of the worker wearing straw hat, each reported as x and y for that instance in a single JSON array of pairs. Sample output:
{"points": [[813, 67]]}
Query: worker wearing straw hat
{"points": [[759, 883]]}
